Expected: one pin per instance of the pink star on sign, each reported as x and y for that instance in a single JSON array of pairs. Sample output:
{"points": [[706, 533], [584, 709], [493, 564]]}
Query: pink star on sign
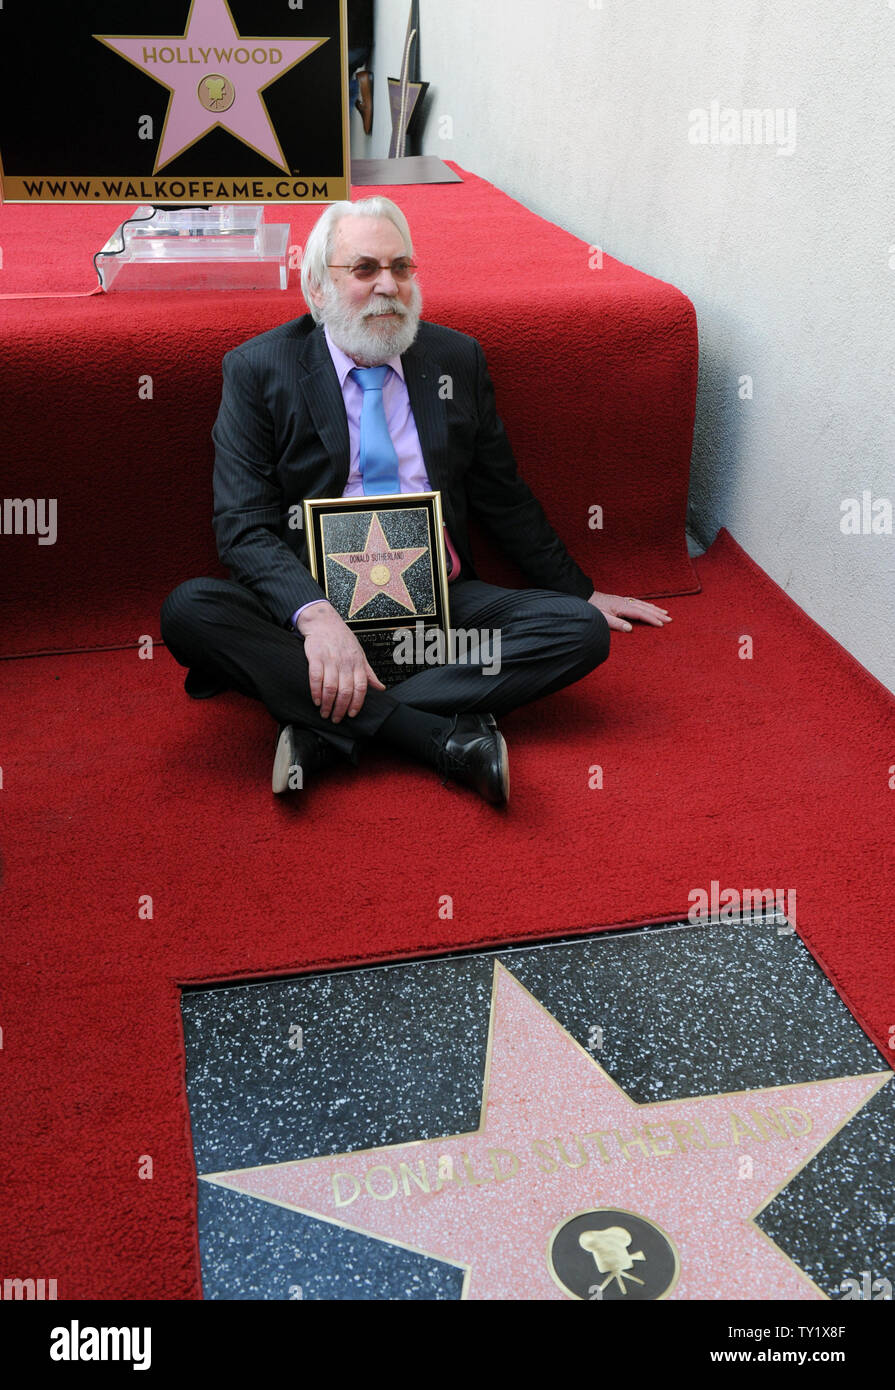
{"points": [[215, 76], [558, 1137], [378, 569]]}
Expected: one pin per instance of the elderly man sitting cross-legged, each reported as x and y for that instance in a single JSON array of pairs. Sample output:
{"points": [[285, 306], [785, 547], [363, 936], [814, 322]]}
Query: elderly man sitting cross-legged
{"points": [[302, 415]]}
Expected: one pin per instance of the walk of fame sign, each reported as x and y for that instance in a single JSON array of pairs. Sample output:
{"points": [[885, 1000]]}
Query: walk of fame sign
{"points": [[381, 563], [200, 101]]}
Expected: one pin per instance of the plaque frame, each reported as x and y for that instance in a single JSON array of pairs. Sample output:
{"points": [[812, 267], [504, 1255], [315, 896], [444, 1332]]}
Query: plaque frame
{"points": [[375, 633]]}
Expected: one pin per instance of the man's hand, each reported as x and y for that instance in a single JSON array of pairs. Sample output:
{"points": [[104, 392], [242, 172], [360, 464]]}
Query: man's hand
{"points": [[617, 609], [340, 673]]}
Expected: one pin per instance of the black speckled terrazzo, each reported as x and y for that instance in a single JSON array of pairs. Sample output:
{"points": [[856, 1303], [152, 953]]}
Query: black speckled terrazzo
{"points": [[360, 1059], [252, 1250]]}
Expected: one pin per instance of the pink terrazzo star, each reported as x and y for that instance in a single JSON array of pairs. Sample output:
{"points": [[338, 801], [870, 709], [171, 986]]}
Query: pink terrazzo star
{"points": [[212, 63], [378, 569], [557, 1136]]}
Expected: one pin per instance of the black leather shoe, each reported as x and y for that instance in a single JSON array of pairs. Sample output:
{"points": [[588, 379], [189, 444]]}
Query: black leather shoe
{"points": [[299, 753], [475, 754]]}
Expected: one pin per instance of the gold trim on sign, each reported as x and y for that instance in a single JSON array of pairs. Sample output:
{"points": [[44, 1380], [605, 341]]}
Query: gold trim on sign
{"points": [[346, 112]]}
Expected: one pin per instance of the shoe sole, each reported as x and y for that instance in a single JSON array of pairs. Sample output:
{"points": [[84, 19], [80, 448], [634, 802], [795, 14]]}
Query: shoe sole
{"points": [[504, 770], [283, 762]]}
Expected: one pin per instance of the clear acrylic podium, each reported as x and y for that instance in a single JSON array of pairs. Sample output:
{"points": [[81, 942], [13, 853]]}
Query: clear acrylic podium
{"points": [[217, 248]]}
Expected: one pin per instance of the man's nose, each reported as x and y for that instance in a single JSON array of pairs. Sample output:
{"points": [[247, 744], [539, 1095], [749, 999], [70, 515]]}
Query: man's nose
{"points": [[385, 282]]}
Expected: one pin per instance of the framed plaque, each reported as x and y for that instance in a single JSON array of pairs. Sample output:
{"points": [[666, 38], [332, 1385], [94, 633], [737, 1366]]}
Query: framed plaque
{"points": [[381, 563]]}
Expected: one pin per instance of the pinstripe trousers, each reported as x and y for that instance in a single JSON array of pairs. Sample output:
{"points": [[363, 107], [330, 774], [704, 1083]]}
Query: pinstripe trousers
{"points": [[229, 640]]}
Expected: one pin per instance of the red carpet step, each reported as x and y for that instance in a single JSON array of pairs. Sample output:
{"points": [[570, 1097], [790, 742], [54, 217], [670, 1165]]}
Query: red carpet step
{"points": [[594, 368]]}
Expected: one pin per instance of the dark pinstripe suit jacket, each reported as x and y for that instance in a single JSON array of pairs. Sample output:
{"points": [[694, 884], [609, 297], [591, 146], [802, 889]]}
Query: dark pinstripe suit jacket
{"points": [[282, 435]]}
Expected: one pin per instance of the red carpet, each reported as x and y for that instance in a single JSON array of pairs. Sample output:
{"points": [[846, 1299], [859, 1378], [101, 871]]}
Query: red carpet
{"points": [[144, 848], [132, 477], [764, 773]]}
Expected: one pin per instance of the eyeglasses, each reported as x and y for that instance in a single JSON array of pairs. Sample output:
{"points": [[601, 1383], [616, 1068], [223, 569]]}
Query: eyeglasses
{"points": [[368, 269]]}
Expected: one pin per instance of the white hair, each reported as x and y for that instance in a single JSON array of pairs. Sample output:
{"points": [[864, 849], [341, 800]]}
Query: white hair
{"points": [[319, 245]]}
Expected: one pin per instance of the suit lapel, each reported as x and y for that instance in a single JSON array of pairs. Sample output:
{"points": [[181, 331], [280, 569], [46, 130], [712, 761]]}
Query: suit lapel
{"points": [[319, 385], [422, 377]]}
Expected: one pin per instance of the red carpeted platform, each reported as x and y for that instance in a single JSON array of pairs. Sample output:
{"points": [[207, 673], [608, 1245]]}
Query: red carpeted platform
{"points": [[595, 371], [769, 773]]}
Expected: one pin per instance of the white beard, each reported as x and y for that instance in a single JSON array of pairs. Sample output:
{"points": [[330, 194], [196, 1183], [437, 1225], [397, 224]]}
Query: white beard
{"points": [[361, 336]]}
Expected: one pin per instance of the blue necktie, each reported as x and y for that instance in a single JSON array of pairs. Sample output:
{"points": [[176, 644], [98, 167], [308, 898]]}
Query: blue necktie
{"points": [[378, 459]]}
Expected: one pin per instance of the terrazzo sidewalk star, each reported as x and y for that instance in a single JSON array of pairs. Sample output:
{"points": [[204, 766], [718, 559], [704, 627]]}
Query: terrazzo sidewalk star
{"points": [[559, 1140]]}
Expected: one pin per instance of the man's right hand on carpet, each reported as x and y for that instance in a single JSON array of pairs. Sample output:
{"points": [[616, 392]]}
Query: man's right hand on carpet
{"points": [[339, 672]]}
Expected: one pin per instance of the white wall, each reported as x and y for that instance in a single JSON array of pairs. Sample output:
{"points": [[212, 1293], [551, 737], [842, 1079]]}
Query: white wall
{"points": [[580, 109]]}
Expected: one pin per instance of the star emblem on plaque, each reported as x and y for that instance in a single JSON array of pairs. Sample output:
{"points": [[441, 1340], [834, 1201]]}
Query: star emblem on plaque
{"points": [[381, 563]]}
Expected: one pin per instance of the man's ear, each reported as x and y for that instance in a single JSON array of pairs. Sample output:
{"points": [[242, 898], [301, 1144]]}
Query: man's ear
{"points": [[317, 297]]}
